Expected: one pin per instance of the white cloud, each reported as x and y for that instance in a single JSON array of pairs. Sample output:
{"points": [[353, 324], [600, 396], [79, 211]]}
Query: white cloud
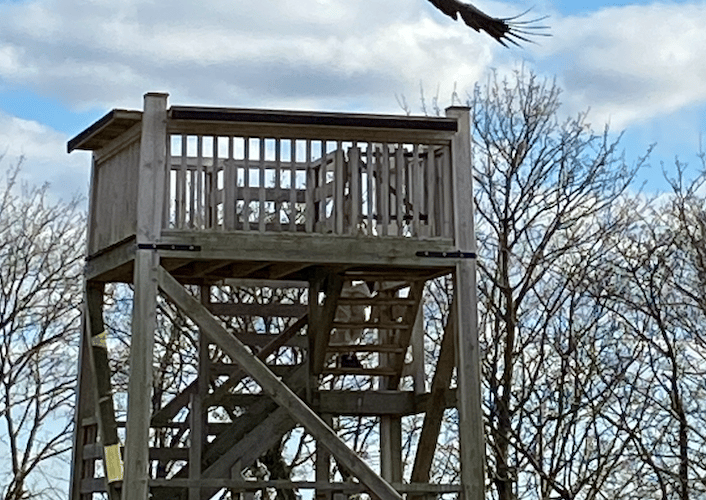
{"points": [[332, 54], [632, 63], [43, 152]]}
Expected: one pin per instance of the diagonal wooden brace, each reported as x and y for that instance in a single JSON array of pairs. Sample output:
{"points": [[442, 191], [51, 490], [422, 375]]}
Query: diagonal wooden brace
{"points": [[274, 387]]}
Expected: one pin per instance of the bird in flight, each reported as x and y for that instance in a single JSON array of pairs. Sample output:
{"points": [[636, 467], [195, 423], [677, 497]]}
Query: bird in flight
{"points": [[504, 30]]}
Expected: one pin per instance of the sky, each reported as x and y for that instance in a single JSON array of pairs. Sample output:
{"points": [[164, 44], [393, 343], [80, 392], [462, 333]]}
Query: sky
{"points": [[637, 66]]}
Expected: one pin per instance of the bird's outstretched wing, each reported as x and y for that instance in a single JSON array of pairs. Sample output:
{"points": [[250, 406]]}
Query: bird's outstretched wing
{"points": [[510, 29]]}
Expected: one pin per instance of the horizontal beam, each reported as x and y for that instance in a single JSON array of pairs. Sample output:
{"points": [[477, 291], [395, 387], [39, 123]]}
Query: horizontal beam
{"points": [[275, 388], [263, 310], [319, 249], [281, 484]]}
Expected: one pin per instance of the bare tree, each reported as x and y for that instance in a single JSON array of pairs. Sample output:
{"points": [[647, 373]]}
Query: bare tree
{"points": [[41, 250], [656, 286], [546, 193]]}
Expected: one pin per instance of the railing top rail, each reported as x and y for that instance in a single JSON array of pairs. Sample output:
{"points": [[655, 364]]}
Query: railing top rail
{"points": [[262, 116], [300, 124]]}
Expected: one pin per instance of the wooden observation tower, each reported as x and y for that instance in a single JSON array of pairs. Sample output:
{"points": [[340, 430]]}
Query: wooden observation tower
{"points": [[357, 212]]}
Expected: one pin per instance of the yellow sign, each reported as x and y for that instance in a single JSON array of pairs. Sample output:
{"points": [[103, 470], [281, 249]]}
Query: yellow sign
{"points": [[100, 340], [113, 463]]}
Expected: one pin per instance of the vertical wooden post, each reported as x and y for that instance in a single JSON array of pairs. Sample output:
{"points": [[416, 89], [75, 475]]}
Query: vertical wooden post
{"points": [[465, 309], [391, 448], [323, 463], [150, 199]]}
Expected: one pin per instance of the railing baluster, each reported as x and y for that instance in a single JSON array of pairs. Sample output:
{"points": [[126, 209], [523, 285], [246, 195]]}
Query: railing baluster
{"points": [[246, 184], [310, 190], [230, 186], [417, 189], [369, 171], [293, 186], [262, 212], [181, 186], [215, 197], [447, 215], [385, 188], [278, 189], [399, 188], [429, 189], [354, 193], [339, 181]]}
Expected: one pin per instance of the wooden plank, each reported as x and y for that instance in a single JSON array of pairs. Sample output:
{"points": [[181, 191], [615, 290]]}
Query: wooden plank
{"points": [[472, 452], [434, 410], [430, 191], [447, 216], [391, 448], [323, 220], [98, 356], [311, 183], [400, 168], [321, 321], [311, 248], [82, 465], [275, 388], [370, 176], [333, 133], [384, 170], [355, 194], [217, 196], [150, 198], [181, 187], [293, 195], [322, 464], [262, 210], [229, 187], [263, 310], [416, 181], [339, 181], [279, 194], [245, 191], [283, 484]]}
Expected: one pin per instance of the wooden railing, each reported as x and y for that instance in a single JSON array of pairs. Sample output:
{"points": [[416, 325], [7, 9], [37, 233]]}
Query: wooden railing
{"points": [[344, 187]]}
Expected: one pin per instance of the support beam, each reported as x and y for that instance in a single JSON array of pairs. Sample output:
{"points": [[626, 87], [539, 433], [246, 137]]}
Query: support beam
{"points": [[150, 198], [105, 410], [275, 388], [434, 410], [472, 440]]}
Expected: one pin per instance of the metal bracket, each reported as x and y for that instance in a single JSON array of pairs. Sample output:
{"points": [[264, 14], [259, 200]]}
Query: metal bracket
{"points": [[169, 246], [447, 255]]}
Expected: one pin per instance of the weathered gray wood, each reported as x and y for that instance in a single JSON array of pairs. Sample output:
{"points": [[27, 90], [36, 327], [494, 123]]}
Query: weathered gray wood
{"points": [[339, 183], [277, 390], [323, 464], [149, 211], [391, 448], [311, 248], [347, 487], [465, 308], [86, 395], [384, 166], [399, 189], [434, 409], [370, 176], [264, 310], [333, 133], [98, 356], [321, 321]]}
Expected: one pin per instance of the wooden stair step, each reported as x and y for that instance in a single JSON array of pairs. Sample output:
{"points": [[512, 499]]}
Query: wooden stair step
{"points": [[376, 301], [381, 325], [380, 371], [391, 348]]}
